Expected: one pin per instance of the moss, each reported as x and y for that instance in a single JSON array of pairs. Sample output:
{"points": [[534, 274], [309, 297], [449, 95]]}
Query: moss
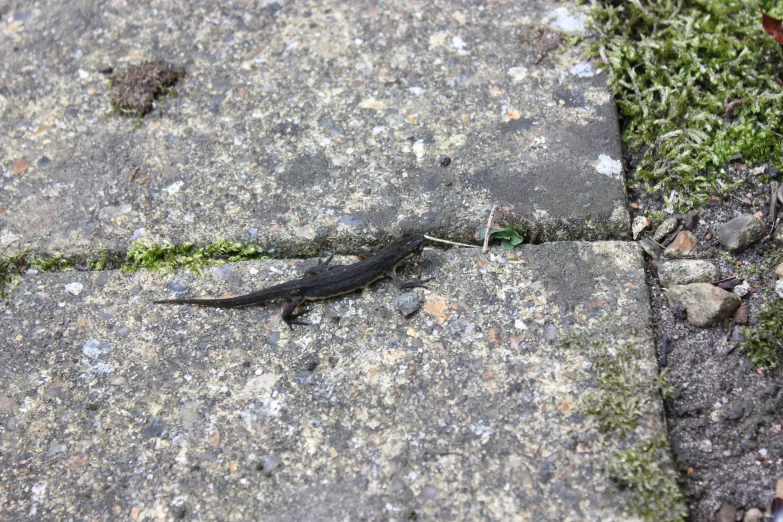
{"points": [[764, 343], [620, 400], [166, 258], [623, 390], [12, 266], [674, 64], [657, 496]]}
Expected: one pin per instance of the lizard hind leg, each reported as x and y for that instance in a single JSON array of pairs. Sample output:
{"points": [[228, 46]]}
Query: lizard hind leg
{"points": [[290, 313]]}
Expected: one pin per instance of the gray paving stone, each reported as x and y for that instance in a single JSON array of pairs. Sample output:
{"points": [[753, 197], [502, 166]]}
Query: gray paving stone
{"points": [[302, 121], [472, 408]]}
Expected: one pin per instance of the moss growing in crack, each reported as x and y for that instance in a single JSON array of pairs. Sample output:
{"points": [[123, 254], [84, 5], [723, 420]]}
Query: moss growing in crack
{"points": [[621, 399], [167, 258], [763, 344], [696, 82], [657, 496], [10, 266], [623, 390], [13, 266]]}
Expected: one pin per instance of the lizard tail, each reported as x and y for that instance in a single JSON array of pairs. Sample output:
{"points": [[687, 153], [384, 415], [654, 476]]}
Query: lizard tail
{"points": [[228, 302]]}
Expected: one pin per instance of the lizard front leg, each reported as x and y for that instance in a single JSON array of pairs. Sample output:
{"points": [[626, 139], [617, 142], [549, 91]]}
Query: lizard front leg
{"points": [[413, 283], [290, 313]]}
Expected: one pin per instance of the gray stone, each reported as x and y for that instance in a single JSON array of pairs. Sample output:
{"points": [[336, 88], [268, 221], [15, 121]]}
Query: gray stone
{"points": [[741, 232], [397, 417], [650, 247], [409, 302], [640, 223], [779, 288], [742, 289], [705, 304], [726, 513], [324, 111], [683, 272], [664, 229]]}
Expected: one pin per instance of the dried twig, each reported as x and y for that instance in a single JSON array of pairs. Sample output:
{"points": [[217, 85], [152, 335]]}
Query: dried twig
{"points": [[485, 249], [773, 204], [449, 242]]}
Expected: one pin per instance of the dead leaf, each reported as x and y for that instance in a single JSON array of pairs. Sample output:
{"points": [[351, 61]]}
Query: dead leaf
{"points": [[772, 26]]}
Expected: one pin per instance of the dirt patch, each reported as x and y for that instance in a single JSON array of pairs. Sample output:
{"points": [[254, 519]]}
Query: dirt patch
{"points": [[133, 91], [725, 415]]}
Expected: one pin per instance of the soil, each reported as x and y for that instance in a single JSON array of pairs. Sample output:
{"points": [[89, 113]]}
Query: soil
{"points": [[725, 417]]}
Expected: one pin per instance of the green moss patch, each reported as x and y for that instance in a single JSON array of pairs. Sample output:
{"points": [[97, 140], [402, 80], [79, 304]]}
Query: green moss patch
{"points": [[763, 344], [14, 265], [696, 82], [656, 493], [167, 258], [623, 393]]}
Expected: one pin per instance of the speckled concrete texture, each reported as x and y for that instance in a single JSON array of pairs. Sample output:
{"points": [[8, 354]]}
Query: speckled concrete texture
{"points": [[301, 121], [472, 408]]}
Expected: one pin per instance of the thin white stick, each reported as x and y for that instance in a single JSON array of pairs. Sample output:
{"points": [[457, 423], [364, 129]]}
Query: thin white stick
{"points": [[449, 242], [489, 229]]}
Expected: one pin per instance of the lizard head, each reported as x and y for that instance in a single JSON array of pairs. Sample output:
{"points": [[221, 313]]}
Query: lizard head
{"points": [[414, 245]]}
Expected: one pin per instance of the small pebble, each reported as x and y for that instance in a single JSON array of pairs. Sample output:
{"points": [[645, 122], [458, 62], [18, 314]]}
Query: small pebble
{"points": [[742, 289], [753, 514], [409, 302], [779, 288], [177, 288], [741, 315], [664, 229], [726, 513], [105, 69]]}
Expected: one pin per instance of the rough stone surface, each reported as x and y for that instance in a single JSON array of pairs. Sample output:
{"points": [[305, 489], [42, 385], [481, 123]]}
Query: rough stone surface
{"points": [[470, 409], [650, 247], [665, 228], [303, 120], [741, 232], [640, 223], [685, 271], [726, 513], [704, 303], [753, 514]]}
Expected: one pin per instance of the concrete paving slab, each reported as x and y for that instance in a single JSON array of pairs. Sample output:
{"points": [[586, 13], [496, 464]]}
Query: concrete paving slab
{"points": [[479, 406], [301, 121]]}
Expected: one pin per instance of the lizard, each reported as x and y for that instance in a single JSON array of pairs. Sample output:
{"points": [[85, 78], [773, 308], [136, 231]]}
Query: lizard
{"points": [[322, 282]]}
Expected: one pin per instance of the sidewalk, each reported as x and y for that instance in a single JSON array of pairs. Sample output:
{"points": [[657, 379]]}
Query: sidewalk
{"points": [[525, 386]]}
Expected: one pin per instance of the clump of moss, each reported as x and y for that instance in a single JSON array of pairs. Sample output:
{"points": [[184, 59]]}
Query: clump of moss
{"points": [[764, 343], [623, 390], [133, 91], [696, 82], [14, 265], [620, 400], [657, 494], [167, 258], [10, 266]]}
